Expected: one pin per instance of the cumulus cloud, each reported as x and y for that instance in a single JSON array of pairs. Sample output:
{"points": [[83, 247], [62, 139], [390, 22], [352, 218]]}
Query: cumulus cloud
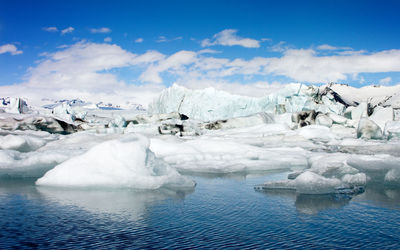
{"points": [[50, 29], [101, 30], [228, 37], [306, 66], [88, 71], [83, 70], [176, 63], [107, 39], [139, 40], [10, 48], [303, 65], [385, 81], [67, 30]]}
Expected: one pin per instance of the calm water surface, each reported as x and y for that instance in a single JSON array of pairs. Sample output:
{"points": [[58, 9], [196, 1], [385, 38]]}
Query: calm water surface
{"points": [[221, 212]]}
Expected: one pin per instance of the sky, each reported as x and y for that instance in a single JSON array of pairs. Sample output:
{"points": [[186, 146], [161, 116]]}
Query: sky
{"points": [[133, 49]]}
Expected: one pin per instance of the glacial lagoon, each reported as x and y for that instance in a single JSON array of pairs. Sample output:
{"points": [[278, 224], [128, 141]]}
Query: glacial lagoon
{"points": [[222, 211]]}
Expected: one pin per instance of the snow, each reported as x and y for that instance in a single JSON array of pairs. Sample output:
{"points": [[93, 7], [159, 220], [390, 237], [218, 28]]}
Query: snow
{"points": [[125, 162], [373, 94]]}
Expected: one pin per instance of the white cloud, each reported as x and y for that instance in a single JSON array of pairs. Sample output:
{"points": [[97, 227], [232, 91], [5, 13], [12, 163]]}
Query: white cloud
{"points": [[330, 47], [306, 66], [385, 81], [84, 70], [107, 39], [175, 63], [208, 51], [163, 39], [67, 30], [139, 40], [279, 47], [101, 30], [228, 37], [88, 71], [10, 48], [50, 29]]}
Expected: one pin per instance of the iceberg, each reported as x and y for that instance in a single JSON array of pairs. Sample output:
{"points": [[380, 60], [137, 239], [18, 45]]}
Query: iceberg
{"points": [[207, 155], [125, 162], [14, 105], [210, 104]]}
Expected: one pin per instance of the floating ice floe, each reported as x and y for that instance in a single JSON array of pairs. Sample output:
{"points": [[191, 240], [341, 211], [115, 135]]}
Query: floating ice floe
{"points": [[126, 162], [340, 173]]}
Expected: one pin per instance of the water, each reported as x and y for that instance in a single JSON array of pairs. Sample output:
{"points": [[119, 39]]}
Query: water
{"points": [[221, 212]]}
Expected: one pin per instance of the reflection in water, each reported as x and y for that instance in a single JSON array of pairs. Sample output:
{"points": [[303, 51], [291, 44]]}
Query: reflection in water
{"points": [[312, 204], [129, 203], [380, 195]]}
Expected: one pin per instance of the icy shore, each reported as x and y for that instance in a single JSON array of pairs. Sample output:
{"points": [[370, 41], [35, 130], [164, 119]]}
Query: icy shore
{"points": [[335, 139]]}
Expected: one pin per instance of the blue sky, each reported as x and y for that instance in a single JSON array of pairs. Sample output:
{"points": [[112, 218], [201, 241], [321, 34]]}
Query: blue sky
{"points": [[221, 42]]}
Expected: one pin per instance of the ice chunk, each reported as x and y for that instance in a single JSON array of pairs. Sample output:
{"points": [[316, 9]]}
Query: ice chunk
{"points": [[118, 122], [323, 120], [392, 129], [360, 111], [21, 143], [14, 105], [393, 176], [337, 119], [312, 183], [141, 118], [359, 179], [368, 129], [15, 164], [316, 132], [213, 155], [381, 116], [240, 122], [126, 162]]}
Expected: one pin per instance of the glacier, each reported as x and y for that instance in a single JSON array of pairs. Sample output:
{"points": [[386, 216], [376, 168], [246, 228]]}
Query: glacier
{"points": [[210, 104]]}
